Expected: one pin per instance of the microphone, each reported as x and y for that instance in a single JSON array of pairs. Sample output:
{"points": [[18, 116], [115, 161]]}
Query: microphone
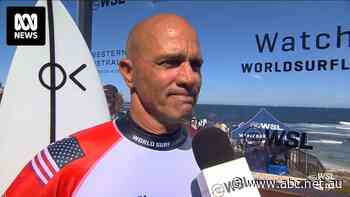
{"points": [[223, 174]]}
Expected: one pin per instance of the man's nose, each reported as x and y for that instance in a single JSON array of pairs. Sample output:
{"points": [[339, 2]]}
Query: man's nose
{"points": [[187, 76]]}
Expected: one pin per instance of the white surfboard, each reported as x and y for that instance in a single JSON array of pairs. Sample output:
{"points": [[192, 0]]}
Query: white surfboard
{"points": [[25, 109]]}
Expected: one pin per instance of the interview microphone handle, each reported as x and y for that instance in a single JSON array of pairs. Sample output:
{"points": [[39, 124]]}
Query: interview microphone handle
{"points": [[232, 178]]}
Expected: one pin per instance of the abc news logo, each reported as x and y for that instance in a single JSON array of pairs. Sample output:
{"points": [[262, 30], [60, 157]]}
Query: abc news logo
{"points": [[26, 25]]}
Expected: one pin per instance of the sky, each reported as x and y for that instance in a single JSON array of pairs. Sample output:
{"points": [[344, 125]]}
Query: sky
{"points": [[227, 31]]}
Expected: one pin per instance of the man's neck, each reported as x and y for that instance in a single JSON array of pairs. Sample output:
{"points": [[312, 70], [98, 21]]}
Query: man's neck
{"points": [[147, 121]]}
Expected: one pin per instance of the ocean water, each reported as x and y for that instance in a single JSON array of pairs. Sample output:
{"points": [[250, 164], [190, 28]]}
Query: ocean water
{"points": [[328, 129]]}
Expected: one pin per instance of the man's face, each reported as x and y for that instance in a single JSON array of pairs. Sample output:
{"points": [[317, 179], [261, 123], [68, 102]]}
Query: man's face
{"points": [[167, 77]]}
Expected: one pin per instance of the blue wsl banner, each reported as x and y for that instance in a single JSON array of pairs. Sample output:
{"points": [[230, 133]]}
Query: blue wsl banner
{"points": [[256, 53]]}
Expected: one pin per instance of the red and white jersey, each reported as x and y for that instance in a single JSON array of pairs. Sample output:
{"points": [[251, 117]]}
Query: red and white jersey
{"points": [[111, 159]]}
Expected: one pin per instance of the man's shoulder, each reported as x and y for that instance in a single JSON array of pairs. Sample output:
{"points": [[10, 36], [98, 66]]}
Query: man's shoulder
{"points": [[92, 141], [101, 134], [77, 153], [61, 166]]}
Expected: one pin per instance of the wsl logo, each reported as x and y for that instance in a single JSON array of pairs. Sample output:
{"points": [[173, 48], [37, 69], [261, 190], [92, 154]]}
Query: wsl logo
{"points": [[106, 3], [26, 26]]}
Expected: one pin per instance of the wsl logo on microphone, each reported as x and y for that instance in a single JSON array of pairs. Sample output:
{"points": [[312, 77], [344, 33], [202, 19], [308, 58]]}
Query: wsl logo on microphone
{"points": [[26, 25]]}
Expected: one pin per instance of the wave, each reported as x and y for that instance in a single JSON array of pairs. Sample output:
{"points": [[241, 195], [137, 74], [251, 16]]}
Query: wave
{"points": [[344, 123], [343, 128], [328, 133], [322, 141], [313, 125]]}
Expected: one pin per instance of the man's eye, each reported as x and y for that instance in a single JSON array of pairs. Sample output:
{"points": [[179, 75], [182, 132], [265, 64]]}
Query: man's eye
{"points": [[196, 64], [171, 63]]}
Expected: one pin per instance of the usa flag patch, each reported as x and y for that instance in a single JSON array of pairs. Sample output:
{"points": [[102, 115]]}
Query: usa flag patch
{"points": [[50, 160]]}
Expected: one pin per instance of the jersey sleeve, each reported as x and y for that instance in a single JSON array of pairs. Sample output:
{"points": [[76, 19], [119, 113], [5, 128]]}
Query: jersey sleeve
{"points": [[59, 169]]}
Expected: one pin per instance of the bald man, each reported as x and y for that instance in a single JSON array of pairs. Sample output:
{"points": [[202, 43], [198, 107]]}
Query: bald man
{"points": [[147, 152]]}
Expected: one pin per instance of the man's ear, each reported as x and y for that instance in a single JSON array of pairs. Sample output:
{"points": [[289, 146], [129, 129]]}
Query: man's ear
{"points": [[126, 69]]}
